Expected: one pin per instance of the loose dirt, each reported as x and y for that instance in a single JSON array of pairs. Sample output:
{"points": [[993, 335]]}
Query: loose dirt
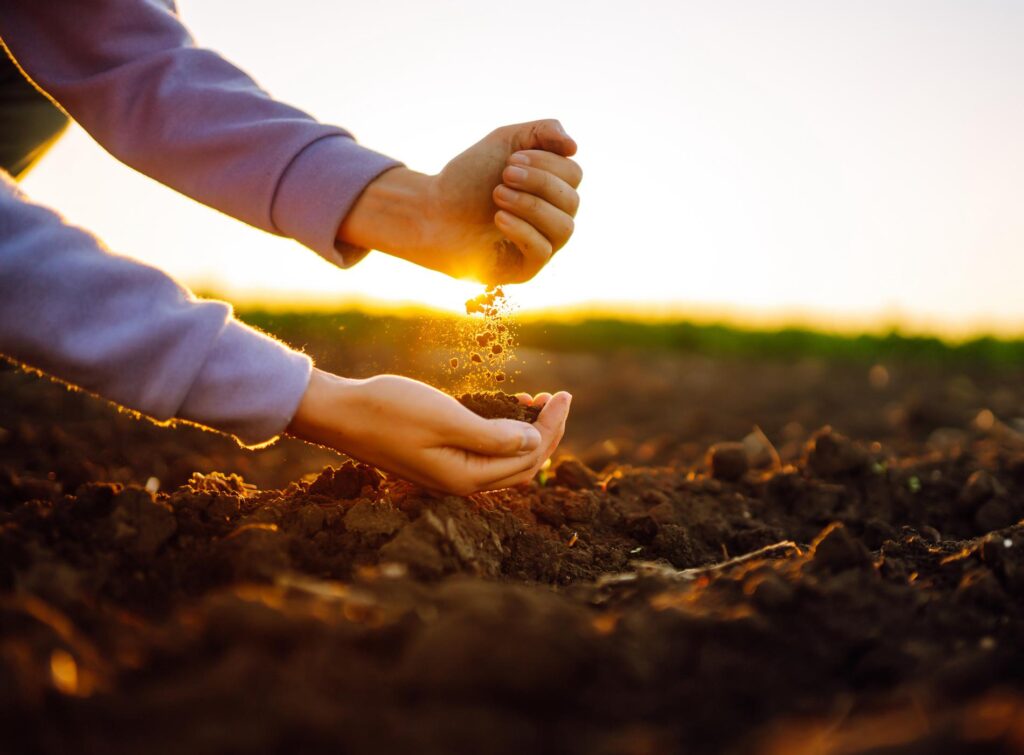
{"points": [[497, 405], [493, 342]]}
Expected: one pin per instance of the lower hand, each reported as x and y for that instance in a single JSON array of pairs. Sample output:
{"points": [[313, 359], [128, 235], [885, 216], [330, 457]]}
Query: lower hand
{"points": [[513, 190], [425, 436]]}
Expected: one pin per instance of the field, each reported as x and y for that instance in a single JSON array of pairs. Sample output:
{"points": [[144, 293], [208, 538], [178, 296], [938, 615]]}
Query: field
{"points": [[858, 588]]}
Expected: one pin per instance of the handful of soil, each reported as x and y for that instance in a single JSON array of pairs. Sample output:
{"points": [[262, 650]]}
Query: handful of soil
{"points": [[499, 405]]}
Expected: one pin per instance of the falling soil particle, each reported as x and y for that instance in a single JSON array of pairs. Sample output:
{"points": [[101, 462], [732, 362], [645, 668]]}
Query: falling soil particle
{"points": [[453, 363], [486, 303], [495, 336], [497, 405]]}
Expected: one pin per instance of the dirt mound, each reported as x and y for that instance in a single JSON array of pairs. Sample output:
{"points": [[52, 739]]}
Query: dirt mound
{"points": [[645, 609]]}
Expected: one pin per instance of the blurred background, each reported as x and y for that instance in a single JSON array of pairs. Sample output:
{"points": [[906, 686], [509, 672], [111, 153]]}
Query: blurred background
{"points": [[843, 165]]}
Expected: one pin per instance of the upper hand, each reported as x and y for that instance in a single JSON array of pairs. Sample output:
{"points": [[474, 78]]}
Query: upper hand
{"points": [[513, 191], [425, 436]]}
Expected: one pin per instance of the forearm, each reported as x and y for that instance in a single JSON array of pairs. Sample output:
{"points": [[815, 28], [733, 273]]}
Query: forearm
{"points": [[129, 73], [128, 332]]}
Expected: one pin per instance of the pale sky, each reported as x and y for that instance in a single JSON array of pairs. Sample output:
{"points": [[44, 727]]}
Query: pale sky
{"points": [[843, 161]]}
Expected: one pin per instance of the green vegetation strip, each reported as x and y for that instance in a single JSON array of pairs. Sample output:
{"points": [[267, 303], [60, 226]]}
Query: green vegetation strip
{"points": [[713, 340]]}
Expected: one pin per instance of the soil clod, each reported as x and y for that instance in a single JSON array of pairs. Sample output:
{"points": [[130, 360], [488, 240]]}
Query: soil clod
{"points": [[574, 474], [727, 461], [831, 454]]}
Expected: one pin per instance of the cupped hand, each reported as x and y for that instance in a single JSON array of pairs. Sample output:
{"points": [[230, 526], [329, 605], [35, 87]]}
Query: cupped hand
{"points": [[495, 213], [423, 435]]}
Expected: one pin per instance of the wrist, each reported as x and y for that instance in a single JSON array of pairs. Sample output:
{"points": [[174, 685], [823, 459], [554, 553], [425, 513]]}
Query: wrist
{"points": [[391, 215], [324, 400]]}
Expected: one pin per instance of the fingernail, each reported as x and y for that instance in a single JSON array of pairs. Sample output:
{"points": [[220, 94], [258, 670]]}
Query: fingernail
{"points": [[531, 440], [506, 193], [515, 175], [519, 159]]}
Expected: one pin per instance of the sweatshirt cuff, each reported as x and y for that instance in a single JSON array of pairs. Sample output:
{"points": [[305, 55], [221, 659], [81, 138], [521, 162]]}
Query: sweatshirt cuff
{"points": [[249, 386], [319, 188]]}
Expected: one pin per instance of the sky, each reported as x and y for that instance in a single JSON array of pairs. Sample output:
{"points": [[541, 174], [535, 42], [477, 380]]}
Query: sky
{"points": [[841, 164]]}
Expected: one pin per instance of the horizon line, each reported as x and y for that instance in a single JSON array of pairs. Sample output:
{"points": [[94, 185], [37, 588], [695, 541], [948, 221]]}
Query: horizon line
{"points": [[653, 313]]}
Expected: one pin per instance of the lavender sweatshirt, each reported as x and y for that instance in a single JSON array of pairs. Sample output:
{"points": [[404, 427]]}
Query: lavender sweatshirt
{"points": [[131, 75]]}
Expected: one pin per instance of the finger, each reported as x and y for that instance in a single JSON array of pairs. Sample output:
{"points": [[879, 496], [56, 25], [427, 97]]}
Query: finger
{"points": [[551, 422], [464, 472], [527, 475], [540, 399], [555, 441], [566, 169], [494, 437], [554, 224], [510, 482], [547, 134], [524, 398], [541, 183], [535, 247]]}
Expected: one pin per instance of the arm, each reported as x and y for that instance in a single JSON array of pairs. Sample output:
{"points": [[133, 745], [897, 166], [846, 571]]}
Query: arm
{"points": [[131, 334], [129, 72], [128, 332]]}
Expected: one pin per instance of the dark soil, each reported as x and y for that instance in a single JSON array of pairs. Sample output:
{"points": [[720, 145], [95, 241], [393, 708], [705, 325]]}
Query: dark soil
{"points": [[497, 405], [836, 595]]}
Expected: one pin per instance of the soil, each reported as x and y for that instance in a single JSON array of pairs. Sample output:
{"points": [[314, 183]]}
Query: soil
{"points": [[493, 343], [509, 262], [498, 405], [840, 592]]}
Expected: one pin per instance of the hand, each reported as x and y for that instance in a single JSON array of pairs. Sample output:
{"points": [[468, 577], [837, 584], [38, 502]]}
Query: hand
{"points": [[495, 213], [425, 436]]}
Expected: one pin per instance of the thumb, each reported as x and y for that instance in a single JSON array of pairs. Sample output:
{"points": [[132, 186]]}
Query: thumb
{"points": [[551, 421], [548, 135], [500, 437]]}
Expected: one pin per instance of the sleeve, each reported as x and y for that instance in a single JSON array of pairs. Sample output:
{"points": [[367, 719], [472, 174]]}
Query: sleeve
{"points": [[130, 73], [129, 333]]}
